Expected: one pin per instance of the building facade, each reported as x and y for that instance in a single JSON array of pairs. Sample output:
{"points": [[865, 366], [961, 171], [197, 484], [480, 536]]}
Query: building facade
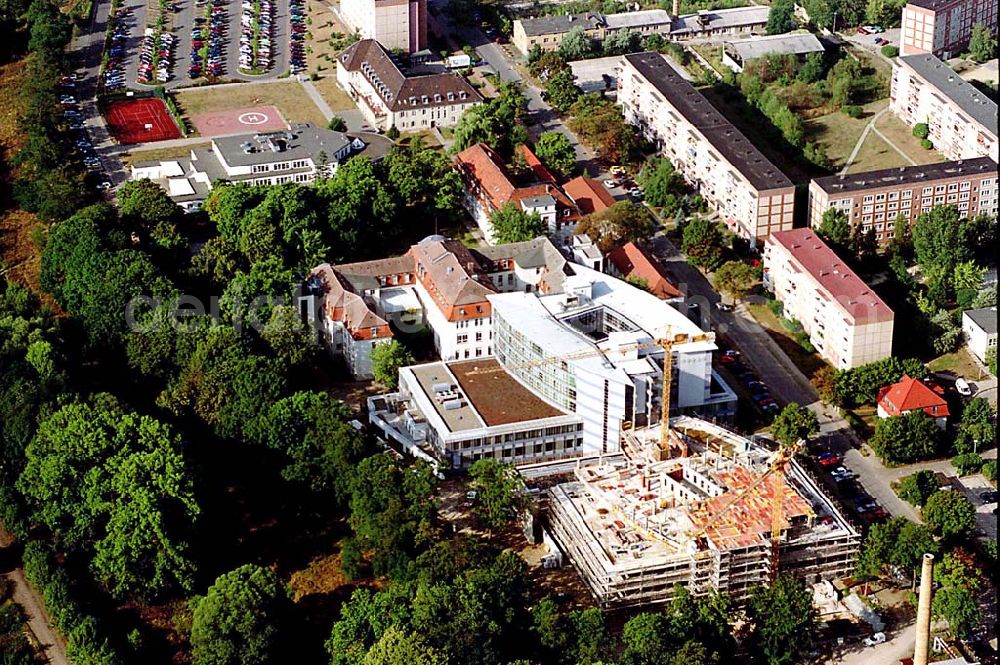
{"points": [[388, 98], [877, 200], [943, 27], [979, 327], [300, 155], [846, 321], [396, 24], [735, 54], [751, 195], [961, 119]]}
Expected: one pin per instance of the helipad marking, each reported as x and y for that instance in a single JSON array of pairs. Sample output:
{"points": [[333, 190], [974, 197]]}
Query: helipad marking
{"points": [[253, 118]]}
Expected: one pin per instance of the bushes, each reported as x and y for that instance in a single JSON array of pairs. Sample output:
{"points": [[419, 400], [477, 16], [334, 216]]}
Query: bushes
{"points": [[967, 463], [852, 110], [861, 384], [989, 470], [916, 488], [926, 144], [921, 130], [776, 307], [85, 644], [890, 51]]}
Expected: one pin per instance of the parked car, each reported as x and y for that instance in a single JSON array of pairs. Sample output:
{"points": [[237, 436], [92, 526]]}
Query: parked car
{"points": [[617, 170], [723, 307], [840, 473], [962, 386], [610, 184], [989, 496], [877, 638]]}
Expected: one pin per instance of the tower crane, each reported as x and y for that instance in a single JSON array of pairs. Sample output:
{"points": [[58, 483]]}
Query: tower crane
{"points": [[776, 475]]}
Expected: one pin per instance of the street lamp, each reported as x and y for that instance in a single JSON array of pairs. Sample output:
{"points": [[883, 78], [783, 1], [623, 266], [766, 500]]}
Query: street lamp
{"points": [[834, 22]]}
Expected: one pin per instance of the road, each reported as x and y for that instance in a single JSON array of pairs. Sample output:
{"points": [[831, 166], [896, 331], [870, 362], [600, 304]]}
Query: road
{"points": [[890, 652]]}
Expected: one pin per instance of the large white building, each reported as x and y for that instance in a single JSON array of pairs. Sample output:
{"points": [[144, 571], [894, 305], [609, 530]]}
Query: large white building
{"points": [[389, 98], [962, 120], [298, 154], [751, 195], [582, 344], [846, 321], [396, 24], [943, 27]]}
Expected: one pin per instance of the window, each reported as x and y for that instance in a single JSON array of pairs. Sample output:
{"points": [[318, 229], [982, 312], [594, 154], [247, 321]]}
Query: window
{"points": [[893, 196], [880, 197], [869, 198], [479, 336], [462, 339], [908, 193]]}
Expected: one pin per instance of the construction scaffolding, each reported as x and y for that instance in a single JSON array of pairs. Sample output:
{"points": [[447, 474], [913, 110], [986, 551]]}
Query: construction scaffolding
{"points": [[636, 528]]}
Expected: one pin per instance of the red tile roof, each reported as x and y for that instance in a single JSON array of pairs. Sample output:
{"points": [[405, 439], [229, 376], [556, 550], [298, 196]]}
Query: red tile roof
{"points": [[590, 196], [542, 174], [632, 261], [909, 394], [858, 301]]}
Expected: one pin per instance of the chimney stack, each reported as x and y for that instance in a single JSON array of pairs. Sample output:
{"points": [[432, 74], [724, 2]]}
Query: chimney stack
{"points": [[921, 649], [677, 8]]}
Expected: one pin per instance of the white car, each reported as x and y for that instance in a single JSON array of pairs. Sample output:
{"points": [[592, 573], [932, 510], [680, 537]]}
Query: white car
{"points": [[962, 386], [877, 638], [840, 473]]}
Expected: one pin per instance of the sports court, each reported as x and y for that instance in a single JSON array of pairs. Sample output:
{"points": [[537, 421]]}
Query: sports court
{"points": [[221, 123], [140, 121]]}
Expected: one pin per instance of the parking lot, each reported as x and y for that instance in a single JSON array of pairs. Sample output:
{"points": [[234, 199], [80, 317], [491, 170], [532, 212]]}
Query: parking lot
{"points": [[192, 43]]}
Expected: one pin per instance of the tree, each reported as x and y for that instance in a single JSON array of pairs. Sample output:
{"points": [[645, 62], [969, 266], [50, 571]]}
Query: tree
{"points": [[386, 361], [735, 279], [498, 488], [560, 90], [917, 487], [783, 621], [835, 228], [793, 423], [978, 424], [949, 514], [337, 124], [825, 382], [921, 130], [291, 338], [238, 621], [782, 17], [646, 638], [702, 241], [621, 223], [497, 123], [396, 647], [908, 438], [621, 42], [959, 608], [983, 43], [591, 636], [576, 45], [660, 181], [897, 542], [116, 483], [599, 123], [557, 153], [512, 224]]}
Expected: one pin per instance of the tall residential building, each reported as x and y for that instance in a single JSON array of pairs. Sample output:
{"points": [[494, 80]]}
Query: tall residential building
{"points": [[846, 321], [395, 24], [389, 98], [751, 195], [876, 200], [962, 120], [943, 27]]}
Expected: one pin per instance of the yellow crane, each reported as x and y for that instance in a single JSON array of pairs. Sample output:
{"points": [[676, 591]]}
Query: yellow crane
{"points": [[776, 475]]}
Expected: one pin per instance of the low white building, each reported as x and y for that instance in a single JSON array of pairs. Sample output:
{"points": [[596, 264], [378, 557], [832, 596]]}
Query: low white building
{"points": [[736, 53], [299, 154], [979, 326], [389, 98]]}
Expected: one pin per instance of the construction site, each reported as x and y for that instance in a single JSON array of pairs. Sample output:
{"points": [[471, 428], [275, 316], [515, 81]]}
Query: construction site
{"points": [[699, 506]]}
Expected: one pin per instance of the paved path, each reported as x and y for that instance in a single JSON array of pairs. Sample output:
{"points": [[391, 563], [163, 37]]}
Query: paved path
{"points": [[861, 141], [50, 645], [317, 98]]}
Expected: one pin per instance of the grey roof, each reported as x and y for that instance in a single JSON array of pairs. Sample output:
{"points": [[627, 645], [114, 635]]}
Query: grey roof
{"points": [[538, 201], [903, 175], [302, 141], [560, 23], [758, 47], [985, 318], [968, 98], [720, 19], [637, 19], [724, 137]]}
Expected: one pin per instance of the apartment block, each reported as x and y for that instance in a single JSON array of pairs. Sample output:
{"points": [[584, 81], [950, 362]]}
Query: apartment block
{"points": [[943, 27], [751, 195], [962, 120], [878, 200], [396, 24], [846, 321], [389, 98]]}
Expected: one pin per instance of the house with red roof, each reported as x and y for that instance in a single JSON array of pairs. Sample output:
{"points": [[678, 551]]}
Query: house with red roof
{"points": [[489, 186], [589, 195], [637, 266], [910, 394]]}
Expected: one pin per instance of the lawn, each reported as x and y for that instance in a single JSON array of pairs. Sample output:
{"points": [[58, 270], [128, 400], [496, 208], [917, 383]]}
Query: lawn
{"points": [[333, 94], [713, 53], [838, 132], [808, 363], [876, 154], [288, 95], [327, 37], [959, 363], [902, 136]]}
